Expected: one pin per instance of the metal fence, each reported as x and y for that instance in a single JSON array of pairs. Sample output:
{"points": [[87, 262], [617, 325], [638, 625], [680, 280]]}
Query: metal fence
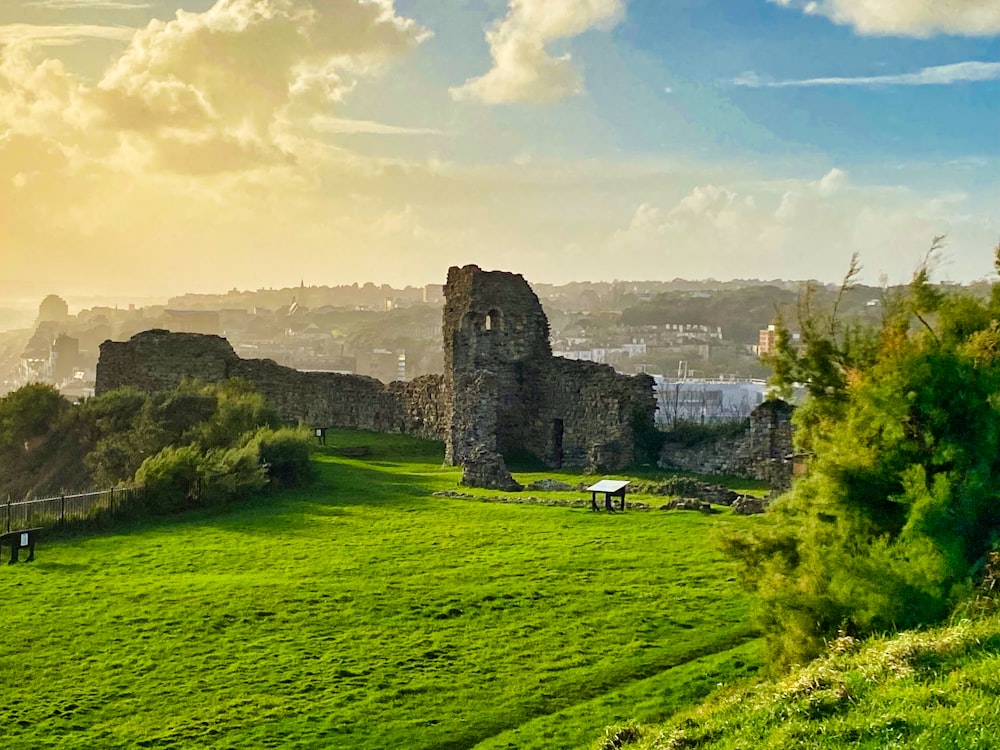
{"points": [[49, 511]]}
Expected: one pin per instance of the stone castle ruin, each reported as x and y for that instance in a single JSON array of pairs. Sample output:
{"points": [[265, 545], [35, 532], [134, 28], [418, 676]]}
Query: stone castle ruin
{"points": [[502, 390]]}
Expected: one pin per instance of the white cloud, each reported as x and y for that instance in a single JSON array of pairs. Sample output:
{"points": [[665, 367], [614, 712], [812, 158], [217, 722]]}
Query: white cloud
{"points": [[919, 18], [209, 155], [791, 229], [340, 125], [31, 35], [523, 70], [939, 75], [229, 78], [88, 4], [196, 143]]}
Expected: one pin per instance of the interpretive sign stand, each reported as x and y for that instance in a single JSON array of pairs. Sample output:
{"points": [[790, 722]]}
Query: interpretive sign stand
{"points": [[611, 488], [18, 540]]}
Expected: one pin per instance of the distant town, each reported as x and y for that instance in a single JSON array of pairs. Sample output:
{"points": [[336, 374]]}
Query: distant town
{"points": [[702, 341]]}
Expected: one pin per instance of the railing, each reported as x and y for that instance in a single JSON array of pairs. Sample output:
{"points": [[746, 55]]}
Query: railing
{"points": [[49, 511]]}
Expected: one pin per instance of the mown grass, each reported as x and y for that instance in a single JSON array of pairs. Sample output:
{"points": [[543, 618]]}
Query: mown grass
{"points": [[922, 689], [366, 613]]}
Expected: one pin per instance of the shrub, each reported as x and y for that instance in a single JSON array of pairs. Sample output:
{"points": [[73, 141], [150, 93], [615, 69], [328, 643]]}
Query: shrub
{"points": [[230, 473], [900, 503], [172, 479], [285, 454]]}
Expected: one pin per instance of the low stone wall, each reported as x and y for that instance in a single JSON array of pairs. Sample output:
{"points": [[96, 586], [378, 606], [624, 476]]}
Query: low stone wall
{"points": [[763, 451], [159, 360]]}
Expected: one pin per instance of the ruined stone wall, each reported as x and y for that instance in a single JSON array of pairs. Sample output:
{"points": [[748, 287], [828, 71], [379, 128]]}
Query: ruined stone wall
{"points": [[160, 360], [588, 415], [502, 390], [565, 412], [494, 322], [761, 452]]}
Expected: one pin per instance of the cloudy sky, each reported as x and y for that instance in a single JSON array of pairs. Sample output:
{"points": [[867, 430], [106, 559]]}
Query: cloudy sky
{"points": [[158, 146]]}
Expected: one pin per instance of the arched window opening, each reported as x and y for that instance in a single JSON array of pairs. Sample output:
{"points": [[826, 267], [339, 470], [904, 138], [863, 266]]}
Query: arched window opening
{"points": [[493, 320]]}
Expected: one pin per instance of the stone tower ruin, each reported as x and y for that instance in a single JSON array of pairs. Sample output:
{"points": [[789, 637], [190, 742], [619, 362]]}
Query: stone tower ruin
{"points": [[499, 371]]}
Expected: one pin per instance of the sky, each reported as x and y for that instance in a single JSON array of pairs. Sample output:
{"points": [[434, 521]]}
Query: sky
{"points": [[153, 147]]}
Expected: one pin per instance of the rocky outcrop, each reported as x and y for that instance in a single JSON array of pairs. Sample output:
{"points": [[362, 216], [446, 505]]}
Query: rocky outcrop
{"points": [[688, 487], [487, 470], [689, 503], [748, 506], [552, 485]]}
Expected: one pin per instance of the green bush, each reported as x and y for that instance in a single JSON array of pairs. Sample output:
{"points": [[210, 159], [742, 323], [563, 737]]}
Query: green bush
{"points": [[236, 409], [900, 503], [229, 474], [172, 479], [29, 412], [285, 453]]}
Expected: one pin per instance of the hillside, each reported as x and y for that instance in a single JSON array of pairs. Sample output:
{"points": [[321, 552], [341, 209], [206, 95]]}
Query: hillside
{"points": [[938, 688], [366, 613]]}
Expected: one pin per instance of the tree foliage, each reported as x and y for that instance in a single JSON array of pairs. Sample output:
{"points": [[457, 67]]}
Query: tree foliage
{"points": [[902, 499], [196, 445], [28, 413]]}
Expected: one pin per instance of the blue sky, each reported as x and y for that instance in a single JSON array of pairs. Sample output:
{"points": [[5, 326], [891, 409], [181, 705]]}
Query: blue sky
{"points": [[263, 141]]}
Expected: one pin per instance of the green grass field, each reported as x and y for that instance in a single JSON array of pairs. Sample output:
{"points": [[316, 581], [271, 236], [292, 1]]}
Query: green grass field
{"points": [[366, 613]]}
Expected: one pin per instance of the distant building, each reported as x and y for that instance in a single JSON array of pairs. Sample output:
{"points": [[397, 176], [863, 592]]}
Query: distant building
{"points": [[53, 309], [767, 341], [693, 331], [434, 293], [706, 400], [380, 364], [64, 357]]}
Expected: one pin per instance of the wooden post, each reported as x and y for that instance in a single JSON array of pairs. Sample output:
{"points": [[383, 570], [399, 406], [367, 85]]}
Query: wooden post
{"points": [[62, 507]]}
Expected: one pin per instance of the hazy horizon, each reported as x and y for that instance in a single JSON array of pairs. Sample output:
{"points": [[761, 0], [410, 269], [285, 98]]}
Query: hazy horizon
{"points": [[148, 149]]}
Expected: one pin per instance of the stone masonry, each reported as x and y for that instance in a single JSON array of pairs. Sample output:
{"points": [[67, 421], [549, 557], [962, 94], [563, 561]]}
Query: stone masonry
{"points": [[566, 413], [763, 451], [502, 390], [159, 360]]}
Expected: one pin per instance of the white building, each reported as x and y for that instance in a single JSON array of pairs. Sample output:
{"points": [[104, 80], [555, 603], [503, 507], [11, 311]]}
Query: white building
{"points": [[708, 400]]}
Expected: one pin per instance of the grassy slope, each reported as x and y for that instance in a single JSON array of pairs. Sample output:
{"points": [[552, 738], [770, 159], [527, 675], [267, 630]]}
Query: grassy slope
{"points": [[365, 613], [936, 689]]}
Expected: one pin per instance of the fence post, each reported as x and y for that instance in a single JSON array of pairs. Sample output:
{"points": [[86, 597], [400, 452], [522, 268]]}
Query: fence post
{"points": [[8, 513], [62, 507]]}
